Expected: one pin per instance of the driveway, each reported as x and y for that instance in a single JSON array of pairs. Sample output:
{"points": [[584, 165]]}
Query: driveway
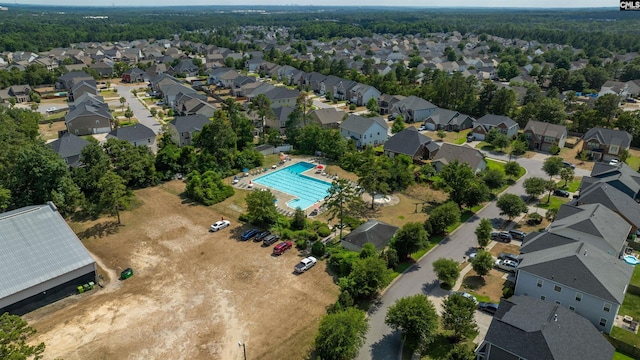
{"points": [[139, 111], [383, 343]]}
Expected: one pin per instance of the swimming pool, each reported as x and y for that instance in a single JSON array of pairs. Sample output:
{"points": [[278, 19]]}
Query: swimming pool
{"points": [[290, 180]]}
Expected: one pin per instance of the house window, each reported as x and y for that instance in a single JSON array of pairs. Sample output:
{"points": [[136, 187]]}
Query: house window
{"points": [[603, 322], [549, 139], [613, 149], [607, 307], [543, 297], [578, 297], [557, 288], [572, 308], [539, 284]]}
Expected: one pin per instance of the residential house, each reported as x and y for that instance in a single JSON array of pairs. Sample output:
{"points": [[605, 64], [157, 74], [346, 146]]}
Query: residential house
{"points": [[343, 89], [542, 136], [614, 199], [88, 119], [172, 91], [627, 89], [215, 75], [449, 153], [281, 96], [185, 68], [21, 93], [329, 84], [528, 328], [504, 124], [364, 131], [328, 118], [361, 94], [279, 121], [620, 176], [373, 231], [67, 80], [90, 98], [134, 75], [413, 109], [162, 80], [51, 63], [82, 87], [69, 147], [193, 104], [448, 120], [412, 143], [131, 55], [252, 65], [103, 69], [184, 128], [605, 144], [312, 81], [137, 135], [386, 102]]}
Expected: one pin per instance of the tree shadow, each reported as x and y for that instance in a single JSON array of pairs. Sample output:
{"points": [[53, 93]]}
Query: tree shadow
{"points": [[386, 348], [473, 282], [100, 230]]}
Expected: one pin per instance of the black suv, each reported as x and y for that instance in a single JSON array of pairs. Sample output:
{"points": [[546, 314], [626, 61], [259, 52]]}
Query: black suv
{"points": [[517, 234], [501, 236], [261, 236], [270, 240]]}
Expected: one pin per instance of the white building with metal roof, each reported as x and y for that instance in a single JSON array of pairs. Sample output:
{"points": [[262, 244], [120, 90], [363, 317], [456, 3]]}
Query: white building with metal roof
{"points": [[41, 261]]}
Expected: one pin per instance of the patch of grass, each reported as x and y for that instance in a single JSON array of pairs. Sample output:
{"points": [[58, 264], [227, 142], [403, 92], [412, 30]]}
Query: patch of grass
{"points": [[59, 116], [402, 267], [630, 306], [554, 203], [418, 254], [571, 186], [633, 162], [625, 336], [621, 356], [477, 208], [401, 217], [108, 93], [495, 165], [635, 278], [461, 140], [441, 345], [481, 298]]}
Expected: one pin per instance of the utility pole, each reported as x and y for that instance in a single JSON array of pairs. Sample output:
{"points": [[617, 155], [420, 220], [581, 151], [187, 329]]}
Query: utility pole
{"points": [[244, 349]]}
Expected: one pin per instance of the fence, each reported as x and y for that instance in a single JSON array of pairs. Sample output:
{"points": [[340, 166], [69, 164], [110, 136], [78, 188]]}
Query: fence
{"points": [[624, 347]]}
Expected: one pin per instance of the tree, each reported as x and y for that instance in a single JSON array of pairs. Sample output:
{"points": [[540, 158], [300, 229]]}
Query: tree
{"points": [[342, 200], [443, 216], [372, 106], [494, 178], [261, 105], [341, 334], [441, 134], [122, 102], [416, 318], [128, 113], [607, 106], [550, 186], [500, 141], [458, 315], [410, 238], [367, 276], [299, 220], [552, 166], [511, 205], [483, 232], [512, 169], [461, 352], [482, 263], [566, 174], [5, 198], [113, 193], [398, 125], [373, 175], [447, 271], [534, 186], [368, 250], [261, 208], [457, 176], [14, 336]]}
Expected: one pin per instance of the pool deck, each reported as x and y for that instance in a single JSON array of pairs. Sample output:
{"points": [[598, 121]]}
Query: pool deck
{"points": [[282, 197]]}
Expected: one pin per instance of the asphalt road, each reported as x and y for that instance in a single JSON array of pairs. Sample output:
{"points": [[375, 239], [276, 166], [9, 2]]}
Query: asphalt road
{"points": [[382, 343], [139, 111]]}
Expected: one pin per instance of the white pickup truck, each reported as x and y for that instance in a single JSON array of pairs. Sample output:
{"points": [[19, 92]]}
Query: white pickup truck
{"points": [[305, 264]]}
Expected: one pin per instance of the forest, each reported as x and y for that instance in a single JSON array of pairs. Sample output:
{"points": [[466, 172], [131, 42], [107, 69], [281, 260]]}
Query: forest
{"points": [[596, 31]]}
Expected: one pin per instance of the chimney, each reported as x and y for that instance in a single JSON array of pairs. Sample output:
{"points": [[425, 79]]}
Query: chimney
{"points": [[585, 253], [555, 317]]}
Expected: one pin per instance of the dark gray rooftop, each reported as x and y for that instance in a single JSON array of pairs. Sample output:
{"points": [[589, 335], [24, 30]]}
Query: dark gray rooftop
{"points": [[620, 138], [495, 120], [359, 124], [374, 232], [448, 153], [614, 199], [407, 142], [189, 123], [37, 245], [68, 145], [133, 133], [536, 329]]}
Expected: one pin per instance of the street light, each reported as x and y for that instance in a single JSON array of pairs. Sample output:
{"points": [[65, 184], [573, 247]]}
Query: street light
{"points": [[244, 349]]}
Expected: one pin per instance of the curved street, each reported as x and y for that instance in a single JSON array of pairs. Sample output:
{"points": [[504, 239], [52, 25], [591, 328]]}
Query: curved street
{"points": [[381, 341]]}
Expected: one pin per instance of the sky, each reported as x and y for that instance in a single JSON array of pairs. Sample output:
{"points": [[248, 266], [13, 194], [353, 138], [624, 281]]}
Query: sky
{"points": [[420, 3]]}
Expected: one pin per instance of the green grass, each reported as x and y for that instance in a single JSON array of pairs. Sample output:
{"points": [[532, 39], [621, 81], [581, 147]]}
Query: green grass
{"points": [[633, 162], [621, 356], [461, 140], [635, 278], [59, 116], [108, 93], [554, 203], [572, 186], [441, 346], [630, 306], [495, 165], [625, 336]]}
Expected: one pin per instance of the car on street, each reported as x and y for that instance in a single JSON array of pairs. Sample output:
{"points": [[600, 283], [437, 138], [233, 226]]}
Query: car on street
{"points": [[249, 234], [561, 193], [160, 103], [52, 109], [489, 308], [568, 165], [502, 236], [270, 240], [508, 256], [261, 236], [507, 265], [631, 100], [282, 247], [467, 295], [219, 225]]}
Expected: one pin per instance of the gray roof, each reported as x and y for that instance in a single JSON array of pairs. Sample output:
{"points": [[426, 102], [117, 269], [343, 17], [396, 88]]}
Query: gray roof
{"points": [[541, 330], [609, 137], [37, 245], [594, 224], [442, 116], [281, 92], [189, 123], [359, 124], [495, 120], [327, 116], [133, 133], [374, 232], [414, 103], [68, 145], [542, 129], [614, 199], [582, 267], [620, 176], [282, 113], [87, 108], [407, 142], [463, 153]]}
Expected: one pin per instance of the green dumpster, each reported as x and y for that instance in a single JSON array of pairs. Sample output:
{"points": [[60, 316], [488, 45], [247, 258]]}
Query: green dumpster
{"points": [[126, 273]]}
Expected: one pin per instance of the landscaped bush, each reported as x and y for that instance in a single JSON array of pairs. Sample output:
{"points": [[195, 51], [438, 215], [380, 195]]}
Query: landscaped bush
{"points": [[318, 249], [390, 255], [207, 188], [342, 260], [244, 218], [302, 244], [507, 291], [352, 106], [324, 231], [534, 219], [286, 234]]}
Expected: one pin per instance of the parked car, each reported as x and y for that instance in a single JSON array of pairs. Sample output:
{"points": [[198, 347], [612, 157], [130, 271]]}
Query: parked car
{"points": [[502, 236], [249, 234], [270, 240], [470, 138], [261, 236], [614, 162], [422, 128], [282, 247], [561, 193], [392, 117], [508, 256], [305, 264], [219, 225], [488, 307], [631, 100], [568, 165], [506, 265], [51, 109], [517, 234], [160, 103], [467, 295]]}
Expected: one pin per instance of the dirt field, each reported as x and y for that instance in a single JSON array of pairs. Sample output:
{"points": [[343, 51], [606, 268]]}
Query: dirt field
{"points": [[194, 294], [50, 132]]}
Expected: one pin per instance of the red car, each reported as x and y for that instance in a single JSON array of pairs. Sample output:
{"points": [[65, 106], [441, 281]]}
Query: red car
{"points": [[282, 247]]}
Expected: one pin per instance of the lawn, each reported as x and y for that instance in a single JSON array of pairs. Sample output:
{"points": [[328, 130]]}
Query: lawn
{"points": [[452, 136], [630, 306], [554, 203], [635, 278], [625, 336], [572, 186], [495, 165], [108, 93], [633, 162], [441, 346], [487, 289], [621, 356]]}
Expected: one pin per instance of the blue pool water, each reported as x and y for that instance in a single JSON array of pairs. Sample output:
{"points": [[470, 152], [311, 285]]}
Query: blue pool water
{"points": [[306, 189]]}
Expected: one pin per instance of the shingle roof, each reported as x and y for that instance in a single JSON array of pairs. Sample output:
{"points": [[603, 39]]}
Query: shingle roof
{"points": [[609, 137], [86, 108], [281, 92], [545, 129], [582, 267], [37, 245], [407, 142], [327, 116], [68, 145], [614, 199], [442, 116], [374, 232], [133, 133], [462, 153], [189, 123], [414, 103], [495, 120], [360, 124], [620, 176], [536, 329]]}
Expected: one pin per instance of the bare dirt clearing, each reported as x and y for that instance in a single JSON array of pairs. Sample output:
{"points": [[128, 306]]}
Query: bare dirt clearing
{"points": [[194, 295]]}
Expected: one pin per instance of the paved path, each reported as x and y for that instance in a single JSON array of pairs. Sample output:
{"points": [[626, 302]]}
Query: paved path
{"points": [[381, 342], [139, 111]]}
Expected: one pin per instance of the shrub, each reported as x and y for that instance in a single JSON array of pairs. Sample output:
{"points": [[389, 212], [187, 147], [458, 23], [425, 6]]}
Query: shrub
{"points": [[318, 249], [286, 234], [324, 231], [534, 219], [345, 299], [507, 292], [244, 218], [352, 106], [302, 244], [391, 257]]}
